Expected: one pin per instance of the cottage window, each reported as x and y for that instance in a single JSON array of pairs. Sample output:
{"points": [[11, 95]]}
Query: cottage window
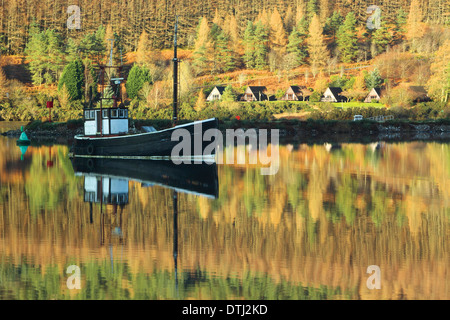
{"points": [[92, 114], [114, 113], [105, 114], [87, 115]]}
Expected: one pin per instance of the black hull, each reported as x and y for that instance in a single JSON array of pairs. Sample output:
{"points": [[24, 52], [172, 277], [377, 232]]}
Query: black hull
{"points": [[199, 179], [151, 144]]}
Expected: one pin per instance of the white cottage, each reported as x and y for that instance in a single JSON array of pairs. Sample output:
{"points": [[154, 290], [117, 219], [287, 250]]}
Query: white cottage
{"points": [[333, 94], [216, 93], [374, 95]]}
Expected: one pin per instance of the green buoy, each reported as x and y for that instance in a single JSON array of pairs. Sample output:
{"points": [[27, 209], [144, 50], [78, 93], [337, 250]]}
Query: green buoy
{"points": [[23, 139]]}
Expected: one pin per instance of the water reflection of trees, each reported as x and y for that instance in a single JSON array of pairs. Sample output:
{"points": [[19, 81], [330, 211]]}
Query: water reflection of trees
{"points": [[320, 221]]}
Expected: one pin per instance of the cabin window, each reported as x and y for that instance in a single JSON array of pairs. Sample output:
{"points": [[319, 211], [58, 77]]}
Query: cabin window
{"points": [[105, 114], [87, 115], [114, 113], [92, 114], [216, 97], [121, 113]]}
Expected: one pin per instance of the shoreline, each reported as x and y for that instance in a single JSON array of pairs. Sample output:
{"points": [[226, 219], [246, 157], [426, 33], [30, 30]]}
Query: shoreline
{"points": [[290, 131]]}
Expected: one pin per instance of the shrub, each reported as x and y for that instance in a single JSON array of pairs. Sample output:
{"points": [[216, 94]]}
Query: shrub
{"points": [[315, 96]]}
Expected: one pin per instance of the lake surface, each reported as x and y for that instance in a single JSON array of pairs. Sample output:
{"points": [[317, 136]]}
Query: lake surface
{"points": [[308, 232]]}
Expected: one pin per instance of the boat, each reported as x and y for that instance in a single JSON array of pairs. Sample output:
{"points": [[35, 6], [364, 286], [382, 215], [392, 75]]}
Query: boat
{"points": [[106, 129]]}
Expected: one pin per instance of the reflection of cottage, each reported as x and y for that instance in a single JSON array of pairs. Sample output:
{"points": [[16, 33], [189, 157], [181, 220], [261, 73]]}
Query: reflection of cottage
{"points": [[255, 93], [418, 93], [296, 93], [216, 93], [333, 94], [374, 95]]}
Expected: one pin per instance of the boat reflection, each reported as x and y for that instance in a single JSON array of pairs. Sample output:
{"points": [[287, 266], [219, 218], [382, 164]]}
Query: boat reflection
{"points": [[198, 179], [106, 182]]}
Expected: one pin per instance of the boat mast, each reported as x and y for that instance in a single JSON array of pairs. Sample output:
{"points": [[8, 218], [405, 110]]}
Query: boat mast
{"points": [[175, 75]]}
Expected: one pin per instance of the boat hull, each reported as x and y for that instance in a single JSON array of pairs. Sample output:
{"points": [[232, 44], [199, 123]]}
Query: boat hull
{"points": [[150, 144]]}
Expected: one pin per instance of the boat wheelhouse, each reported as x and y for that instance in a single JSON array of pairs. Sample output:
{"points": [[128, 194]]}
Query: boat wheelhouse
{"points": [[105, 121]]}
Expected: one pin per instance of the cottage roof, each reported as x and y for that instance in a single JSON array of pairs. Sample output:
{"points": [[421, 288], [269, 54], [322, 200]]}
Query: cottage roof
{"points": [[419, 90], [299, 89], [221, 89], [336, 91]]}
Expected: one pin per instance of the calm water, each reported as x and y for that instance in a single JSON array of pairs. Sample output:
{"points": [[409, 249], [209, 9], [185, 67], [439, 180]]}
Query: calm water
{"points": [[308, 232]]}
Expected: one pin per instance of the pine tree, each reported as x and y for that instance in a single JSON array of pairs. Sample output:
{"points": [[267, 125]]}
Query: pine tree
{"points": [[323, 11], [224, 59], [72, 79], [300, 12], [35, 51], [264, 18], [202, 47], [249, 47], [311, 10], [201, 101], [289, 20], [400, 22], [277, 33], [297, 46], [231, 29], [64, 97], [373, 79], [359, 89], [333, 23], [143, 48], [54, 55], [217, 19], [381, 38], [317, 49], [347, 39], [260, 45], [45, 52], [321, 83], [136, 79], [228, 94], [93, 45], [413, 25]]}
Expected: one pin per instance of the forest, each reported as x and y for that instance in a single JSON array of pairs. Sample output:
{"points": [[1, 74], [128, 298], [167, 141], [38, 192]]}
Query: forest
{"points": [[314, 43]]}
